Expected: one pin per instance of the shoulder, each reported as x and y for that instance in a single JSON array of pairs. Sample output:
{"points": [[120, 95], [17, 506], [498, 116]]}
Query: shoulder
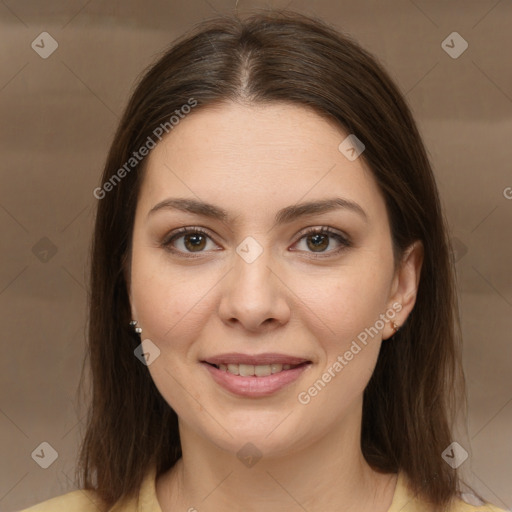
{"points": [[75, 501], [88, 501], [404, 500], [470, 503]]}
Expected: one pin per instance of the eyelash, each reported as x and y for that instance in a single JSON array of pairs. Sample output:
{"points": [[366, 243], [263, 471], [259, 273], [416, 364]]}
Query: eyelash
{"points": [[344, 241]]}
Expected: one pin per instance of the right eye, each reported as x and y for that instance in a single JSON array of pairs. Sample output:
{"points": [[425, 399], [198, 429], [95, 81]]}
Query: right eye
{"points": [[191, 239]]}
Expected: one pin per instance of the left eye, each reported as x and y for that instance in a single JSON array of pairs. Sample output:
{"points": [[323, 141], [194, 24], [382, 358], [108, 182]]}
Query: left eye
{"points": [[318, 240], [194, 240]]}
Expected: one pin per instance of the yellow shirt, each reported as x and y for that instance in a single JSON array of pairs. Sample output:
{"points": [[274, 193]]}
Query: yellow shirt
{"points": [[83, 501]]}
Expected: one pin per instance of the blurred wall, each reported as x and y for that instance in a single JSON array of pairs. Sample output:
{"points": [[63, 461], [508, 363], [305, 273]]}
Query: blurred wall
{"points": [[61, 96]]}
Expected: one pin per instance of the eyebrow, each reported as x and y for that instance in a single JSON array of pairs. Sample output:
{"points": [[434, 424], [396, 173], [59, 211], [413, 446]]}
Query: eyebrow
{"points": [[283, 216]]}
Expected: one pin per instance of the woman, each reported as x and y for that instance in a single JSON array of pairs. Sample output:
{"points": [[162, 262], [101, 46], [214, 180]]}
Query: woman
{"points": [[273, 323]]}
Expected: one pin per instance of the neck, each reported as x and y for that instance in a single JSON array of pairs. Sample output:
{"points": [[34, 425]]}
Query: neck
{"points": [[329, 473]]}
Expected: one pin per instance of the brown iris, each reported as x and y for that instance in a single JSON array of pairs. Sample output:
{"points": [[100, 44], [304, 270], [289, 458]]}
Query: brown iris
{"points": [[324, 239], [196, 240]]}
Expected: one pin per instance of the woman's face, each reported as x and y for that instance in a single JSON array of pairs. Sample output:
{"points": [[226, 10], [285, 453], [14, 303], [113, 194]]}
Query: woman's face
{"points": [[253, 289]]}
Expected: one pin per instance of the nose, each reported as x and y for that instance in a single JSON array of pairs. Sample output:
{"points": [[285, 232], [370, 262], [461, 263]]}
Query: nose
{"points": [[254, 296]]}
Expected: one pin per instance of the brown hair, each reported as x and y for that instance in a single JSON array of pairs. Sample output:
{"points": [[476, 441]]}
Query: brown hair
{"points": [[409, 403]]}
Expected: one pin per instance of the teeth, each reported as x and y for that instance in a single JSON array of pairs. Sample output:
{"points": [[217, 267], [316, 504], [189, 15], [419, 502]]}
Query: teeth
{"points": [[276, 368], [246, 370], [259, 370], [262, 370], [232, 368]]}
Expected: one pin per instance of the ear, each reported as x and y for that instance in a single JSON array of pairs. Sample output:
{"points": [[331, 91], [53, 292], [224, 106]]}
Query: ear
{"points": [[404, 287]]}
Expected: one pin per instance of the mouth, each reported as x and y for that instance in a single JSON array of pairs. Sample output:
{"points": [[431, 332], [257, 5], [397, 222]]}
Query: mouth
{"points": [[255, 370], [255, 376]]}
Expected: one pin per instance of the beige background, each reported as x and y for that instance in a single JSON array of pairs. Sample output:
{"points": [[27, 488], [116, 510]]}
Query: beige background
{"points": [[58, 116]]}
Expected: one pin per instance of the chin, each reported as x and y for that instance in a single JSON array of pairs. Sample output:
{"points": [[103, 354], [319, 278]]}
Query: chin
{"points": [[266, 435]]}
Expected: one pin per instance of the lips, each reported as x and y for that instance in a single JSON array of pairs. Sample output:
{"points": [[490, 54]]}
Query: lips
{"points": [[255, 375], [261, 359]]}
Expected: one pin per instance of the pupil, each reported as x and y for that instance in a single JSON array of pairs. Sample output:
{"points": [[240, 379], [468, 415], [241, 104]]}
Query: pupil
{"points": [[319, 238], [197, 241]]}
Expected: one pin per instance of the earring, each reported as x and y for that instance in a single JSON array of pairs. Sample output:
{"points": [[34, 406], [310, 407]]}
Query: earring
{"points": [[133, 323], [396, 328]]}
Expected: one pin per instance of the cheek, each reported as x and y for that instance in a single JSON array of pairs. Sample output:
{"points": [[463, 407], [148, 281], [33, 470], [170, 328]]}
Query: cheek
{"points": [[348, 336], [167, 302], [344, 303], [169, 307], [349, 339]]}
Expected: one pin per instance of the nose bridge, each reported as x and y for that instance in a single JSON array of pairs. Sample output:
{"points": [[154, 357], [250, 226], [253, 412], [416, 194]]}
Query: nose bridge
{"points": [[253, 294], [252, 271]]}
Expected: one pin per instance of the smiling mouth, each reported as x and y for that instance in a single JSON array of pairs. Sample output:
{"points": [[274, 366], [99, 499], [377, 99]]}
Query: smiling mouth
{"points": [[259, 370]]}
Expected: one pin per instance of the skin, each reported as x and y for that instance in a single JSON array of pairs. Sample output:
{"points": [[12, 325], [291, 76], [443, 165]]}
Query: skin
{"points": [[253, 160]]}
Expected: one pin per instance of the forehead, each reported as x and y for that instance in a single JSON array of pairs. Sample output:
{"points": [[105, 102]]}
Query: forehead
{"points": [[246, 156]]}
